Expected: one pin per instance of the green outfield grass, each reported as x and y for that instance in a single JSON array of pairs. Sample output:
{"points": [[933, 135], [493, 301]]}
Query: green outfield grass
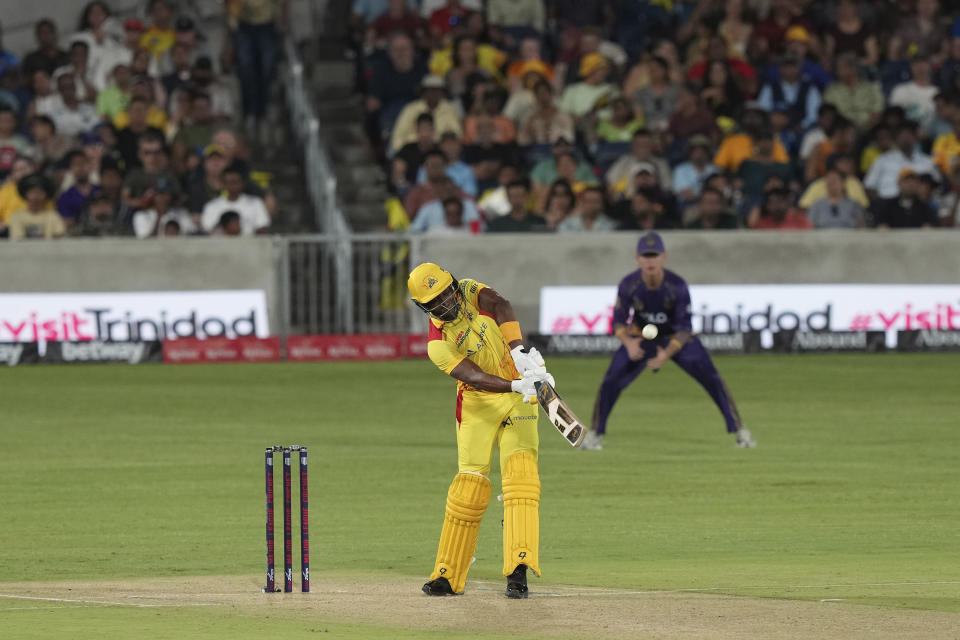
{"points": [[115, 472]]}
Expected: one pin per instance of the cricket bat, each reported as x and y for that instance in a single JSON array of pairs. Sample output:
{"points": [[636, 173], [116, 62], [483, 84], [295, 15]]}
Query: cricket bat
{"points": [[559, 414]]}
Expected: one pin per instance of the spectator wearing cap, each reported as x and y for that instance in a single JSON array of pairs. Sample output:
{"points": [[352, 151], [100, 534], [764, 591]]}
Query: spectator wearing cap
{"points": [[858, 100], [37, 219], [801, 96], [545, 171], [115, 98], [916, 96], [529, 60], [521, 101], [432, 101], [48, 55], [459, 171], [883, 179], [689, 176], [154, 164], [254, 218], [836, 210], [149, 223], [777, 214], [908, 209], [75, 199], [590, 214], [852, 187], [850, 36], [545, 121], [798, 46], [255, 24], [447, 212], [642, 154], [592, 39], [12, 144], [393, 83], [128, 137], [71, 116], [519, 218], [582, 98], [710, 212], [195, 134], [737, 147], [842, 139]]}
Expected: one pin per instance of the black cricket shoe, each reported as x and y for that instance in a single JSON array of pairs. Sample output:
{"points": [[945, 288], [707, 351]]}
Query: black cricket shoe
{"points": [[517, 583], [438, 587]]}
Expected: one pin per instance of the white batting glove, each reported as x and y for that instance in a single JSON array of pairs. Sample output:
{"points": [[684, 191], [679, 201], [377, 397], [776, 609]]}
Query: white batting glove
{"points": [[539, 375], [526, 359], [526, 388]]}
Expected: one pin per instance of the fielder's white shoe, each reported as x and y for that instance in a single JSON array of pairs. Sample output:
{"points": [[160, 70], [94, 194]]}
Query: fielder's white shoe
{"points": [[745, 439], [593, 441]]}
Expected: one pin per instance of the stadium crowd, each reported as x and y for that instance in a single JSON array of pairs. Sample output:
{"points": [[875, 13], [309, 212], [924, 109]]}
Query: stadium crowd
{"points": [[526, 115], [130, 126]]}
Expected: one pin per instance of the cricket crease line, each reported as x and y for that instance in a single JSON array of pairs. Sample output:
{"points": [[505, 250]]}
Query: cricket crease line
{"points": [[97, 602], [734, 587]]}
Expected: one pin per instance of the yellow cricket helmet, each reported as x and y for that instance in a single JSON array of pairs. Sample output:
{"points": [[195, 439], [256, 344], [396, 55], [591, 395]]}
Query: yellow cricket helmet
{"points": [[427, 281]]}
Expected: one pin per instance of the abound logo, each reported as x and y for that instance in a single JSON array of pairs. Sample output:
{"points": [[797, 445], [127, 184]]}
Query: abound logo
{"points": [[112, 317]]}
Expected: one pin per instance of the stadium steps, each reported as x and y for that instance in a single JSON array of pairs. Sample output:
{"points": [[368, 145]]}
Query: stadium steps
{"points": [[361, 182]]}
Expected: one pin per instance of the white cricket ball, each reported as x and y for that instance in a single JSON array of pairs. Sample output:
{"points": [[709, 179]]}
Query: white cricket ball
{"points": [[649, 331]]}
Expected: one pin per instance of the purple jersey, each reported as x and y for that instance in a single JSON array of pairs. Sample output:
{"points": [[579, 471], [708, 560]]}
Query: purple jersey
{"points": [[667, 306]]}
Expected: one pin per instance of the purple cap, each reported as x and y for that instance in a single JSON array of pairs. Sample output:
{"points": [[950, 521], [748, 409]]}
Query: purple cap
{"points": [[650, 242]]}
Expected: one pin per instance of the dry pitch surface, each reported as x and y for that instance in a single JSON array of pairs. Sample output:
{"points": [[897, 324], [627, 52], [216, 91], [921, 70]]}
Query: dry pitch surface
{"points": [[552, 611]]}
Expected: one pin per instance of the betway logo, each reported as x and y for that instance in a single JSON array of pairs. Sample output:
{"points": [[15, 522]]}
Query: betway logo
{"points": [[131, 352], [10, 354]]}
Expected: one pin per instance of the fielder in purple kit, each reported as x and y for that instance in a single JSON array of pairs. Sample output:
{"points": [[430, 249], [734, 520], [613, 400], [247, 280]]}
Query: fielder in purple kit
{"points": [[654, 295]]}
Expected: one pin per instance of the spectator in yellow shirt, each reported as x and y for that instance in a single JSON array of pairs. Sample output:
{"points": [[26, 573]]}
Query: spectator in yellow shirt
{"points": [[156, 117], [160, 36], [10, 199], [946, 150], [737, 147]]}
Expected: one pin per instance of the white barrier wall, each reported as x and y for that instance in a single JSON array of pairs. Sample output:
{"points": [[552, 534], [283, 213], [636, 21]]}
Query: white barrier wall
{"points": [[516, 265], [519, 265], [128, 265]]}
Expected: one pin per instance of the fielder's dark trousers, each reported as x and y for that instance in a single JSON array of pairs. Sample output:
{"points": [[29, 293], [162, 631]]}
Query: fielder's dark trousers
{"points": [[692, 358]]}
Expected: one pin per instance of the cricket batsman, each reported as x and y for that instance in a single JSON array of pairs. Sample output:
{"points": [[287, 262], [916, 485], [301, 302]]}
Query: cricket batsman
{"points": [[474, 337], [659, 297]]}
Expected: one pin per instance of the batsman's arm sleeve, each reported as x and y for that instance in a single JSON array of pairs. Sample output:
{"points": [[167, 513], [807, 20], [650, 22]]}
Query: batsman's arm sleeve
{"points": [[444, 356]]}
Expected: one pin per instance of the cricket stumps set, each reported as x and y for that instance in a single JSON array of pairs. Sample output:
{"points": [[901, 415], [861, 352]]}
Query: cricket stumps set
{"points": [[288, 520]]}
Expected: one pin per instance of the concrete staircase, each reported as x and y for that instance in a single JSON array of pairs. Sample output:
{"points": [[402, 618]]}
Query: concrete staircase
{"points": [[361, 182]]}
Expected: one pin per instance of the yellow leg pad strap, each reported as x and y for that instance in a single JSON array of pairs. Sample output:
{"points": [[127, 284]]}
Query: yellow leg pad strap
{"points": [[521, 513], [467, 499]]}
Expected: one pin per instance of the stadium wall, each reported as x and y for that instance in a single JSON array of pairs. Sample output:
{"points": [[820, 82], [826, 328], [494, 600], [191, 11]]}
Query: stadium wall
{"points": [[517, 265], [127, 265]]}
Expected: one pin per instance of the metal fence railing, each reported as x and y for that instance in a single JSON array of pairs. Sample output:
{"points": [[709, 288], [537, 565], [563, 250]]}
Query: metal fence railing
{"points": [[348, 284]]}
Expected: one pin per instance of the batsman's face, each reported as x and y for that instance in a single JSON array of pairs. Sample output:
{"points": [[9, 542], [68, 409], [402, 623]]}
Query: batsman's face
{"points": [[652, 263], [446, 306]]}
